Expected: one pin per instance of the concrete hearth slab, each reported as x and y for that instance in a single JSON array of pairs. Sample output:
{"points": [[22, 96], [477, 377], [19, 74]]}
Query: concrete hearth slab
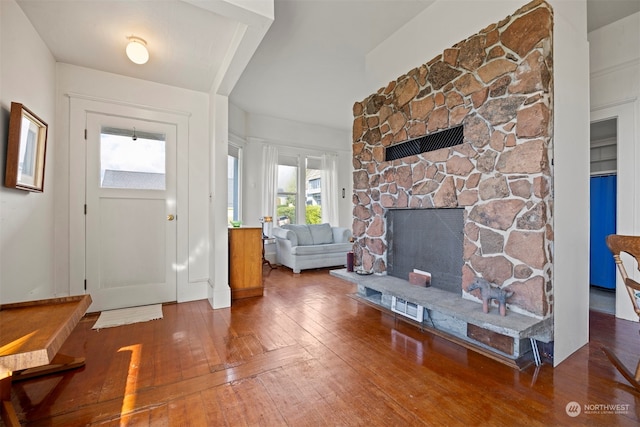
{"points": [[452, 306]]}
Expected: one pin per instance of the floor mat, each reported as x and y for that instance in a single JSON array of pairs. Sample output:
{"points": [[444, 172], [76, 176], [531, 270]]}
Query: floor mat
{"points": [[127, 316]]}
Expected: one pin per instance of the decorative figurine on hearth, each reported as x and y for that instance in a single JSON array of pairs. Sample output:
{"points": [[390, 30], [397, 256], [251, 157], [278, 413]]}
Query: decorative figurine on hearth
{"points": [[489, 292]]}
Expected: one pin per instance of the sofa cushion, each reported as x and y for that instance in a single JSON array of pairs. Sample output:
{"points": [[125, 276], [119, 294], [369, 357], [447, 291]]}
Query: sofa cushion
{"points": [[302, 233], [322, 249], [321, 233]]}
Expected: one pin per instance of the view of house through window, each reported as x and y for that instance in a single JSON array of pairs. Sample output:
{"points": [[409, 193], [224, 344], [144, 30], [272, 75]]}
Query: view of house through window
{"points": [[132, 159], [290, 193], [313, 191]]}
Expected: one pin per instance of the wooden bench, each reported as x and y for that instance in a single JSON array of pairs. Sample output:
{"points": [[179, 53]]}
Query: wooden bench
{"points": [[31, 333]]}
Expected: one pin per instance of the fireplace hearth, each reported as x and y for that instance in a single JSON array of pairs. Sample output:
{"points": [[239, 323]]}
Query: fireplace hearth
{"points": [[507, 339]]}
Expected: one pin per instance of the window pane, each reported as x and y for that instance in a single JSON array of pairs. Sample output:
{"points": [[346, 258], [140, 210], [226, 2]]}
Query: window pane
{"points": [[132, 162], [233, 213], [313, 193], [287, 197]]}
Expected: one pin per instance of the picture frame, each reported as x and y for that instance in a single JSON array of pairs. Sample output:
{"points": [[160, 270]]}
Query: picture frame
{"points": [[26, 150]]}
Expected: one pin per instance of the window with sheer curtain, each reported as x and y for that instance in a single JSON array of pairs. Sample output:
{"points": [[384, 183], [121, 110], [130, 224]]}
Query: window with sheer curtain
{"points": [[302, 190], [287, 197]]}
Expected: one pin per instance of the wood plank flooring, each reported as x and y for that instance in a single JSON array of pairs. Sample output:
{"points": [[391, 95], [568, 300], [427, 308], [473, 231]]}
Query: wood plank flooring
{"points": [[307, 354]]}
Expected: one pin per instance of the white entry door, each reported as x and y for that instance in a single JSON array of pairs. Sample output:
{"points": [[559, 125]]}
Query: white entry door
{"points": [[130, 212]]}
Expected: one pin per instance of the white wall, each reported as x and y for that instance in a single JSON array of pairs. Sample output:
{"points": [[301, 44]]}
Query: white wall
{"points": [[436, 28], [27, 247], [345, 181], [615, 93], [237, 121], [570, 178], [399, 54], [219, 292], [614, 62], [116, 89]]}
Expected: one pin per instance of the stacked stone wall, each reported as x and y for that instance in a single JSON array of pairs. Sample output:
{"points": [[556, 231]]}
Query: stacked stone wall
{"points": [[498, 85]]}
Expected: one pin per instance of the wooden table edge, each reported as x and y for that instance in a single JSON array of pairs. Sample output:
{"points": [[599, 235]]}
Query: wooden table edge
{"points": [[7, 411]]}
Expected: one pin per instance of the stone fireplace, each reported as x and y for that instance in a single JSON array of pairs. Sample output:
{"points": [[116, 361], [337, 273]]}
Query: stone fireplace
{"points": [[498, 85]]}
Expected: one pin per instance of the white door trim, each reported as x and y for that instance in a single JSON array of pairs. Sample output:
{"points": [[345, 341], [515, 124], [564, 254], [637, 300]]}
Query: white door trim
{"points": [[628, 185], [79, 107]]}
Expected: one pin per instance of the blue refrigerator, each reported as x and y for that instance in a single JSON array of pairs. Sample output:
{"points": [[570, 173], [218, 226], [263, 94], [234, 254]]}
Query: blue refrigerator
{"points": [[602, 270]]}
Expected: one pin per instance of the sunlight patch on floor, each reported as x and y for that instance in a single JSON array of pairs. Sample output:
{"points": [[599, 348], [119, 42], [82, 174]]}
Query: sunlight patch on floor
{"points": [[129, 400]]}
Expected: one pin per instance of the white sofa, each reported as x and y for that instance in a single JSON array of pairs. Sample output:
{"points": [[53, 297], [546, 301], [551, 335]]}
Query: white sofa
{"points": [[302, 246]]}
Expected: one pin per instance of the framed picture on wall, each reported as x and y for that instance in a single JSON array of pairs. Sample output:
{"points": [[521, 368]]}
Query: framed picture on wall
{"points": [[26, 150]]}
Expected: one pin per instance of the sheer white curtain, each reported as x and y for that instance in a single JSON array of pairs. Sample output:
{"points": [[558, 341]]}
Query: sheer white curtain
{"points": [[269, 180], [329, 176]]}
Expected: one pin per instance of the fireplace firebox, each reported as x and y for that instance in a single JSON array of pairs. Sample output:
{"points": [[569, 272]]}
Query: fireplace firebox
{"points": [[429, 240]]}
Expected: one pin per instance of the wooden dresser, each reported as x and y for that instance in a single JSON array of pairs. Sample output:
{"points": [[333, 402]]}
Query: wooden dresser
{"points": [[245, 262]]}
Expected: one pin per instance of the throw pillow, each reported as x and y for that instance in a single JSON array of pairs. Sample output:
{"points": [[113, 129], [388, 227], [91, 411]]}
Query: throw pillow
{"points": [[302, 233]]}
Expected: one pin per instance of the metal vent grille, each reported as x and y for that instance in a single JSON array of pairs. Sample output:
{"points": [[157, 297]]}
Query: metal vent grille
{"points": [[407, 308], [424, 144]]}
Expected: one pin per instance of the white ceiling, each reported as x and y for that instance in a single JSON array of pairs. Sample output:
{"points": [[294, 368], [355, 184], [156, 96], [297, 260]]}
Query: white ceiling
{"points": [[310, 65], [186, 43], [603, 12], [308, 68]]}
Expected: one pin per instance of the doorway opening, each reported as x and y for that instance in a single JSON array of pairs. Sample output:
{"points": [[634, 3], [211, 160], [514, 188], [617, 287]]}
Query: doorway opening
{"points": [[603, 213]]}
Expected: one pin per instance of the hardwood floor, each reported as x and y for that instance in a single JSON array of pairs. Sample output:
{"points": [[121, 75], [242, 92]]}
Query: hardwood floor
{"points": [[306, 353]]}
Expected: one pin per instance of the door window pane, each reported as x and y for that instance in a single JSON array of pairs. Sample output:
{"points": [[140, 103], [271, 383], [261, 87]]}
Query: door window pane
{"points": [[287, 197], [132, 159]]}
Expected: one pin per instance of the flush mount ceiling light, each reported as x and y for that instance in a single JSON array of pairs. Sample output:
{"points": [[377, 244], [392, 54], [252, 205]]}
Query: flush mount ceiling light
{"points": [[137, 50]]}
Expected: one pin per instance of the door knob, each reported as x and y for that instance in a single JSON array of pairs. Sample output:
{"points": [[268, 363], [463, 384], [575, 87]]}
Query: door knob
{"points": [[170, 217]]}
